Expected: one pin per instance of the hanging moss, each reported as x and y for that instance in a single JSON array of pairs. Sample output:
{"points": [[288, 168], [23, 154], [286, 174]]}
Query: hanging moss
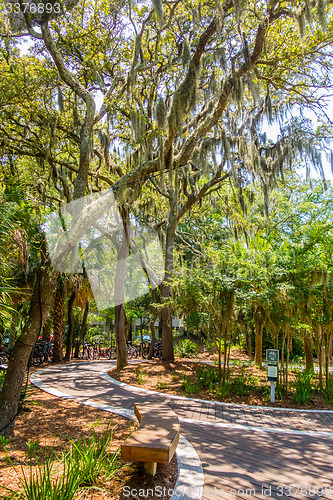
{"points": [[121, 190], [300, 18], [222, 58], [268, 105], [158, 7], [60, 100], [136, 51], [225, 143], [239, 6], [321, 12], [76, 120], [186, 51], [184, 99], [246, 52], [160, 113], [212, 82], [307, 11]]}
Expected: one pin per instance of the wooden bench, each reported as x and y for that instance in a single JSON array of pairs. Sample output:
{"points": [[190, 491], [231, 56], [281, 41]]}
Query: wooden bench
{"points": [[156, 439]]}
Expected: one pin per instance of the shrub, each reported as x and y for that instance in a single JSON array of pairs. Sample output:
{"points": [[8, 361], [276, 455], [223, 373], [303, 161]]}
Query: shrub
{"points": [[186, 348], [303, 386], [244, 383], [208, 377], [209, 344]]}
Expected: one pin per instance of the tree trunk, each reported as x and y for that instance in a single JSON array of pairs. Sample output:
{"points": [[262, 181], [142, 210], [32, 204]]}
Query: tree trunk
{"points": [[130, 330], [307, 344], [327, 356], [120, 324], [225, 355], [283, 368], [153, 336], [70, 326], [160, 328], [13, 324], [46, 335], [39, 309], [320, 355], [248, 340], [82, 330], [258, 327], [152, 323], [166, 319], [58, 322], [119, 296], [289, 345]]}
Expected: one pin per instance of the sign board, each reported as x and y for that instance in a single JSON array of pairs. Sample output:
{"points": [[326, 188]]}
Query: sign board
{"points": [[272, 373], [272, 355]]}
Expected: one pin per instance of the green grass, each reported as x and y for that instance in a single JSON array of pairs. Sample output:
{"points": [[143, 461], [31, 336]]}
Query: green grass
{"points": [[186, 348]]}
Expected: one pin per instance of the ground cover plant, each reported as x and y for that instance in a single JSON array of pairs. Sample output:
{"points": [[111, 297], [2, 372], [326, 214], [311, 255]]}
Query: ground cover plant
{"points": [[186, 348], [246, 384]]}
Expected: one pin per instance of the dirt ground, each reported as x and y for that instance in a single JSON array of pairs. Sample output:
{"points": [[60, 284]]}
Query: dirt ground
{"points": [[167, 377], [49, 423]]}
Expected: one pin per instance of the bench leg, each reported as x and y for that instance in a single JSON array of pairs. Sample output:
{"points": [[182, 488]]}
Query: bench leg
{"points": [[150, 468]]}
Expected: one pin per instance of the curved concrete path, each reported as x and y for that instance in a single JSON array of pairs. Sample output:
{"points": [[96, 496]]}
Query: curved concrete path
{"points": [[245, 451]]}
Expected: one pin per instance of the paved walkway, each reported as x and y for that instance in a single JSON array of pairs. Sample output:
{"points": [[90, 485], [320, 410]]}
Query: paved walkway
{"points": [[245, 451]]}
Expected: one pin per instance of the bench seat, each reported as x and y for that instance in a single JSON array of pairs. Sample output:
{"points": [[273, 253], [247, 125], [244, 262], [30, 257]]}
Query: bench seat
{"points": [[156, 439]]}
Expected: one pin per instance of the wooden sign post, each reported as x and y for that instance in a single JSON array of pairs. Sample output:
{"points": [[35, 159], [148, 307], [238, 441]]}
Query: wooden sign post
{"points": [[272, 356]]}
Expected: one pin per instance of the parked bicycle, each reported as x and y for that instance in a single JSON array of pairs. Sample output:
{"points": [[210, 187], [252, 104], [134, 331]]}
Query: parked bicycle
{"points": [[157, 351], [141, 348], [4, 355], [42, 352], [131, 350], [112, 352], [99, 351], [86, 351]]}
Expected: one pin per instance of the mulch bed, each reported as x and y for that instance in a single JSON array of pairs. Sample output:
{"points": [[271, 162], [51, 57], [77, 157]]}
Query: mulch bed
{"points": [[167, 377], [51, 423]]}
